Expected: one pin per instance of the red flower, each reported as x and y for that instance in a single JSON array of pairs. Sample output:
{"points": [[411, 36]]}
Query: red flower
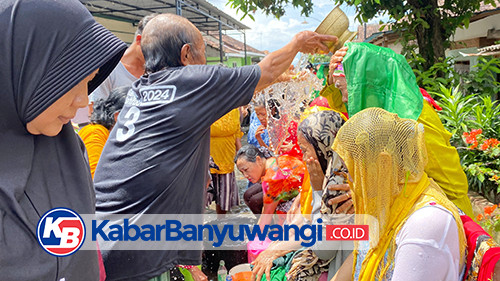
{"points": [[476, 132], [470, 138], [474, 145], [479, 217], [488, 210], [485, 145], [493, 142]]}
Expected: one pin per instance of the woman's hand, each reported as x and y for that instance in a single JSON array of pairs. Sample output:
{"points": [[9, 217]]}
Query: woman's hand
{"points": [[263, 264], [286, 146], [315, 173], [197, 274], [345, 271], [266, 217], [344, 201], [259, 131], [335, 60], [294, 215], [258, 135]]}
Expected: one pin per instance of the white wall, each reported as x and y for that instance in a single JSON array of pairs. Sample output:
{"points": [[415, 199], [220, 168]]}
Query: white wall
{"points": [[478, 28]]}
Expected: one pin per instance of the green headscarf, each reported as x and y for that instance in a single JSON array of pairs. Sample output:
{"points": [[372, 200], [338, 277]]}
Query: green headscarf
{"points": [[378, 77]]}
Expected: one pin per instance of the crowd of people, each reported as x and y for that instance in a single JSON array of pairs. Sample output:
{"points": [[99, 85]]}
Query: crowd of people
{"points": [[371, 145]]}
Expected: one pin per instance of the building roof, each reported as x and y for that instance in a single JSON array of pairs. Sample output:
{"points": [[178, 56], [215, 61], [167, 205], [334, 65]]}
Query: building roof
{"points": [[202, 14], [231, 47], [367, 30], [231, 44], [484, 11], [490, 48]]}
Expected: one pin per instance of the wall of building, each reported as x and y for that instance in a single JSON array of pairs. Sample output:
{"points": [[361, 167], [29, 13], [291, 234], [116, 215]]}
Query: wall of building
{"points": [[121, 29], [229, 62], [478, 28]]}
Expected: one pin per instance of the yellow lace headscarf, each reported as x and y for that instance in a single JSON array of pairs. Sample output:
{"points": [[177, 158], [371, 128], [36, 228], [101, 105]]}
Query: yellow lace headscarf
{"points": [[385, 156]]}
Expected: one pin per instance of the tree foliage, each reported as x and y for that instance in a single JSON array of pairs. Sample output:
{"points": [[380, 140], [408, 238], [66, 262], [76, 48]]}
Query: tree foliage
{"points": [[429, 23]]}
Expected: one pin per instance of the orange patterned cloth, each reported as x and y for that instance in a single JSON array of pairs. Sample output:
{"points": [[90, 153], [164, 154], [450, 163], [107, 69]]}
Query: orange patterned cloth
{"points": [[283, 179], [94, 136]]}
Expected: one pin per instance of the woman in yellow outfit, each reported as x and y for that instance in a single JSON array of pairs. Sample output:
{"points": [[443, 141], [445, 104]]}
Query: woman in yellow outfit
{"points": [[102, 120], [378, 77], [225, 136], [419, 235]]}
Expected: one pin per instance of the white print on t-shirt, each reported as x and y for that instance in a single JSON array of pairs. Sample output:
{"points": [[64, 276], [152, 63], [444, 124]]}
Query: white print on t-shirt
{"points": [[163, 94], [128, 128], [147, 95]]}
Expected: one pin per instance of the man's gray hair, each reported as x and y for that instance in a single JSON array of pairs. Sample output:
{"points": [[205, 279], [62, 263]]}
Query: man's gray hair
{"points": [[142, 23], [163, 40]]}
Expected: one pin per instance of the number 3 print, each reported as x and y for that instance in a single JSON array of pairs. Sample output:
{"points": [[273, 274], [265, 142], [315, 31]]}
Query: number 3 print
{"points": [[132, 116]]}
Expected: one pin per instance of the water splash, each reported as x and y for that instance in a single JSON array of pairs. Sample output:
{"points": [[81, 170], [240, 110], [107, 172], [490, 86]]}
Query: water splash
{"points": [[285, 102]]}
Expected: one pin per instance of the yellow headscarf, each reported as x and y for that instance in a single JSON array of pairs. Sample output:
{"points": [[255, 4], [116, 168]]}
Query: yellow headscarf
{"points": [[386, 156]]}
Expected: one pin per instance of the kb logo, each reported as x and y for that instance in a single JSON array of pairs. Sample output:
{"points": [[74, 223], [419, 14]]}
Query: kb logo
{"points": [[61, 232]]}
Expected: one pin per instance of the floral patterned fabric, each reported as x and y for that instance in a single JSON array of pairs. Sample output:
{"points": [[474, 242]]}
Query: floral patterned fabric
{"points": [[283, 179]]}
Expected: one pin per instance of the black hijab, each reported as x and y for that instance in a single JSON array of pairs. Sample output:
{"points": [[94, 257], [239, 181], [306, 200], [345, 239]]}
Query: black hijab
{"points": [[47, 47]]}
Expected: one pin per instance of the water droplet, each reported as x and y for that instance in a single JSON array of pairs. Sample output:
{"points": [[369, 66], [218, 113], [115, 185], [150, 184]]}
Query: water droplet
{"points": [[414, 269], [420, 254]]}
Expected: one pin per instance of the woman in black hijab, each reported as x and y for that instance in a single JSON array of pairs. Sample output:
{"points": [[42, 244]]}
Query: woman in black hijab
{"points": [[52, 54]]}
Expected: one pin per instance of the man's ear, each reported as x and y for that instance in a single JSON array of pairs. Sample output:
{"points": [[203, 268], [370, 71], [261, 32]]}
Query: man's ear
{"points": [[138, 39], [186, 54], [115, 116]]}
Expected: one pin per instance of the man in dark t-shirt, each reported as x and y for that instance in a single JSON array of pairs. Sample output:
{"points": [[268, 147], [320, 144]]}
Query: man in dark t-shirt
{"points": [[156, 157]]}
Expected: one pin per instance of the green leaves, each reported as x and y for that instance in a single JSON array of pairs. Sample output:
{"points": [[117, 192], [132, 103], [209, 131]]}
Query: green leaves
{"points": [[487, 116], [456, 110], [462, 112], [270, 7]]}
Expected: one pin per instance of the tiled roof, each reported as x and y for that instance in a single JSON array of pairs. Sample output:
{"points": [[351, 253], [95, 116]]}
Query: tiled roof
{"points": [[490, 48], [370, 30]]}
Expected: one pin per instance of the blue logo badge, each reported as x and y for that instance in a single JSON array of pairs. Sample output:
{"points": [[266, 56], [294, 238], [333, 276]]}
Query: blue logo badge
{"points": [[61, 232]]}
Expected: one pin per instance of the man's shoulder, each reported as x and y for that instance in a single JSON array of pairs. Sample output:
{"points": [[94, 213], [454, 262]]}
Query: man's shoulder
{"points": [[219, 68], [121, 75]]}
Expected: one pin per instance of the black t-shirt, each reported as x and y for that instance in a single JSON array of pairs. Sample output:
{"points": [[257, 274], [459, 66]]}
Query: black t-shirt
{"points": [[156, 158]]}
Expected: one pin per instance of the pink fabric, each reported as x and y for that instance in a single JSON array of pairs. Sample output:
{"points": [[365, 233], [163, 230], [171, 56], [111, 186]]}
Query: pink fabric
{"points": [[320, 101], [430, 100], [472, 232], [186, 266], [292, 138], [254, 248], [490, 259], [102, 269]]}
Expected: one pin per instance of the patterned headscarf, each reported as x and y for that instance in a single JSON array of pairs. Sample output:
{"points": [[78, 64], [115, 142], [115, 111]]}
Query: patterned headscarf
{"points": [[320, 130]]}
